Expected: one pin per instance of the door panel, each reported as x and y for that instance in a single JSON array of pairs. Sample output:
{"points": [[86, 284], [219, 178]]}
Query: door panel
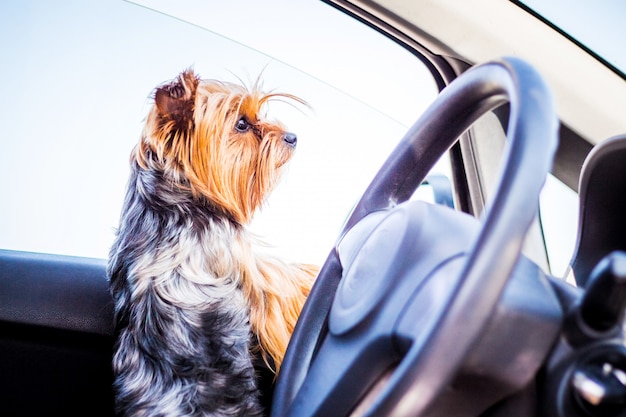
{"points": [[56, 336]]}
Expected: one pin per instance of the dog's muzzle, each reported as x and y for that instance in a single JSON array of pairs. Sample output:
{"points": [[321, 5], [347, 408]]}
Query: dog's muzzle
{"points": [[290, 139]]}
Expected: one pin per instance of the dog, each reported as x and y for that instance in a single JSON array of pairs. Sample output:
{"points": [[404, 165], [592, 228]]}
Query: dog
{"points": [[195, 301]]}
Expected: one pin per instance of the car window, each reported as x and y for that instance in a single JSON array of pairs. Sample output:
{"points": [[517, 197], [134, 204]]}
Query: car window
{"points": [[78, 78], [559, 222]]}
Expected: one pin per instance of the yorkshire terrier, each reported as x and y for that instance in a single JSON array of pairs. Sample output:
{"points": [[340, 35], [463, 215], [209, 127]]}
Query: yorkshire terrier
{"points": [[195, 302]]}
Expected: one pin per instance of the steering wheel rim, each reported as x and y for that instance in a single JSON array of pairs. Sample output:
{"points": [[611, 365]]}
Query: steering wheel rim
{"points": [[527, 159]]}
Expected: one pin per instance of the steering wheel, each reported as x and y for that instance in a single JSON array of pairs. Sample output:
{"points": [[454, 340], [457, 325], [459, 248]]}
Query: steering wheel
{"points": [[409, 287]]}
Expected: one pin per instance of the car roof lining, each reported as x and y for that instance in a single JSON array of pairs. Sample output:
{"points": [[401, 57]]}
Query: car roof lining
{"points": [[476, 32]]}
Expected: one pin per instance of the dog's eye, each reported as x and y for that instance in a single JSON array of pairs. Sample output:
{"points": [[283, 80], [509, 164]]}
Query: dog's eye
{"points": [[242, 125]]}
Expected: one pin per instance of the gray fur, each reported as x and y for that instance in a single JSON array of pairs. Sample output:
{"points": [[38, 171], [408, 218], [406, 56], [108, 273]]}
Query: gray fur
{"points": [[183, 332]]}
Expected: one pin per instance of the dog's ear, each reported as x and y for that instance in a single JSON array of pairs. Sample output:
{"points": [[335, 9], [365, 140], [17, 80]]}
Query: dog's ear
{"points": [[175, 101]]}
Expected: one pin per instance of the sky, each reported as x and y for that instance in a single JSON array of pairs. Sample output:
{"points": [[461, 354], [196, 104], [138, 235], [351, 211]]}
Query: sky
{"points": [[78, 79], [78, 85]]}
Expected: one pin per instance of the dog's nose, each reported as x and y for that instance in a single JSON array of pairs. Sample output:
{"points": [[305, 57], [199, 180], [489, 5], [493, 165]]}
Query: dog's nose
{"points": [[290, 138]]}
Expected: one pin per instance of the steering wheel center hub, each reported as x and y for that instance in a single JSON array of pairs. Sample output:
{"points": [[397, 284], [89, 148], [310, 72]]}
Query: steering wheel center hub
{"points": [[379, 255]]}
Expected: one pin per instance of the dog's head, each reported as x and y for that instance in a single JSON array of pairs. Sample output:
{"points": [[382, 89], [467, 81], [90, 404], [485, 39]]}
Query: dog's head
{"points": [[212, 138]]}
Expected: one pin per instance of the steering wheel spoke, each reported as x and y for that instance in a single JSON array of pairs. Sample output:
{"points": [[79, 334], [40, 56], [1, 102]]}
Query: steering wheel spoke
{"points": [[348, 366]]}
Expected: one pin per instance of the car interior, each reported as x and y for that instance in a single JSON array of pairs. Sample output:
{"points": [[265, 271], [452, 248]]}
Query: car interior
{"points": [[420, 309]]}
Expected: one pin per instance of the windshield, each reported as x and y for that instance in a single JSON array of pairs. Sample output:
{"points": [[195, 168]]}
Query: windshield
{"points": [[597, 26]]}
